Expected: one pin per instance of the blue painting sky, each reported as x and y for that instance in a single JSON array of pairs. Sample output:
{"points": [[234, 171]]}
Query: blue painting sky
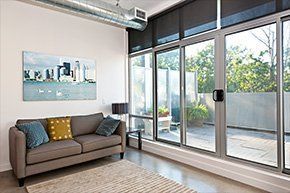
{"points": [[39, 61]]}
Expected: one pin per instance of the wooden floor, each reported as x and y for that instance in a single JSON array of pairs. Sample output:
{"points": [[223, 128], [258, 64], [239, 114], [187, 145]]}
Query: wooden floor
{"points": [[196, 179]]}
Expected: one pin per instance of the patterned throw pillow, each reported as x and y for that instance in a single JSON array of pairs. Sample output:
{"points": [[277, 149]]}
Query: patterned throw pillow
{"points": [[108, 126], [34, 132], [59, 128]]}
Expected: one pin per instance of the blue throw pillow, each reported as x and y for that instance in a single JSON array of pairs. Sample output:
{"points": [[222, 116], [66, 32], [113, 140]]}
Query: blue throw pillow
{"points": [[108, 126], [34, 132]]}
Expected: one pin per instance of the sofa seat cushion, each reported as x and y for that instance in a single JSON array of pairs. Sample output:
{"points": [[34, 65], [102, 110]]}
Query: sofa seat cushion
{"points": [[53, 150], [93, 142]]}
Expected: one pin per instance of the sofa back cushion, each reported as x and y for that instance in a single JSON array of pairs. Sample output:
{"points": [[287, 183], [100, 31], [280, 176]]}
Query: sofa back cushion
{"points": [[34, 132], [85, 124], [42, 121]]}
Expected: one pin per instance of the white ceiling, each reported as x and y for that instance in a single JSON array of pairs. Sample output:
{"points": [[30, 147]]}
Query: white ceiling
{"points": [[151, 6]]}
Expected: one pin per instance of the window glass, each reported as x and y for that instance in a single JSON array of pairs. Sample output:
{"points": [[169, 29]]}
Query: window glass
{"points": [[168, 94], [251, 107]]}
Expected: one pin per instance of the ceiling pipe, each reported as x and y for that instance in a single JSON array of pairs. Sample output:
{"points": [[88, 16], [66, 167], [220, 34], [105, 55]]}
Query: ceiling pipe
{"points": [[97, 9]]}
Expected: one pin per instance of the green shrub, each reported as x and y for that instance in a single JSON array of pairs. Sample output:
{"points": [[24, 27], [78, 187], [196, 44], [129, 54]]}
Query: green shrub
{"points": [[162, 111], [198, 111]]}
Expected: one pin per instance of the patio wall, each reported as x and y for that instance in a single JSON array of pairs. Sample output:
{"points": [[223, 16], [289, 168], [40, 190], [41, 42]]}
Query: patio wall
{"points": [[251, 110]]}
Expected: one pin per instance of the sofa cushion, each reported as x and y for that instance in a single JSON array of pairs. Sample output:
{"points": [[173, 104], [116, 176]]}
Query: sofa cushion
{"points": [[93, 142], [34, 133], [53, 150], [108, 126], [59, 128], [42, 121], [86, 124]]}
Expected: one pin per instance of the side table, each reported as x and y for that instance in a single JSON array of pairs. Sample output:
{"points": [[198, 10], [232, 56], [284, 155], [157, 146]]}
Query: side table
{"points": [[139, 133]]}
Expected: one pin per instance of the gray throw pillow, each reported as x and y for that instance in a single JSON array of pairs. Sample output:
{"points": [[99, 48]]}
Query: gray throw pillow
{"points": [[107, 126], [34, 132]]}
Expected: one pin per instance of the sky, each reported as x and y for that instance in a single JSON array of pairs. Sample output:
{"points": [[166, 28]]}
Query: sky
{"points": [[39, 61]]}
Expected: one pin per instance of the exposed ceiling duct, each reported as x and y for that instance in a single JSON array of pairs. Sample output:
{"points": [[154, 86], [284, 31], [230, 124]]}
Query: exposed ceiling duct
{"points": [[96, 9]]}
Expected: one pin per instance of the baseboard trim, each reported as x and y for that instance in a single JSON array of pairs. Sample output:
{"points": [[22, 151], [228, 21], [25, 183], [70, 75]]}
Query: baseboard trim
{"points": [[265, 180], [5, 167]]}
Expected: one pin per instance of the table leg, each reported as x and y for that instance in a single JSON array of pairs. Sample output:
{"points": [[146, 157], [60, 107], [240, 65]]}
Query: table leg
{"points": [[127, 139], [139, 141]]}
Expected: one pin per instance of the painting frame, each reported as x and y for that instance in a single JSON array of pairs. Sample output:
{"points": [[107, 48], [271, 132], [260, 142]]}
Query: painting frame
{"points": [[49, 77]]}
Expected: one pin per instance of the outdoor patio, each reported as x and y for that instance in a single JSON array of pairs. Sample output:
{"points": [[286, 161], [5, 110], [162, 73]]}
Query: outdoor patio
{"points": [[246, 144]]}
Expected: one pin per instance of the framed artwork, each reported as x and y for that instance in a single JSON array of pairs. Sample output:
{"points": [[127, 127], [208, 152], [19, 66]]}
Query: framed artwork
{"points": [[50, 78]]}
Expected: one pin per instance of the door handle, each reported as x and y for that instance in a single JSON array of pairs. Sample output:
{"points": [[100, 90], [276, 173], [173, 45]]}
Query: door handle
{"points": [[218, 95]]}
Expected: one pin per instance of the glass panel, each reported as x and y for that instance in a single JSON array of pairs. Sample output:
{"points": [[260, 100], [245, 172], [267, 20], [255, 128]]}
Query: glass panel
{"points": [[141, 85], [145, 124], [286, 88], [168, 88], [251, 95], [199, 85], [237, 11]]}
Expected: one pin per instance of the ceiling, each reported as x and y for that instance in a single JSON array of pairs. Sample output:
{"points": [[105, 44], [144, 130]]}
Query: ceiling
{"points": [[151, 6]]}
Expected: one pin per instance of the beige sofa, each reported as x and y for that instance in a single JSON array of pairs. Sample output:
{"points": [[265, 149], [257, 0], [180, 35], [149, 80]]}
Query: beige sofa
{"points": [[85, 146]]}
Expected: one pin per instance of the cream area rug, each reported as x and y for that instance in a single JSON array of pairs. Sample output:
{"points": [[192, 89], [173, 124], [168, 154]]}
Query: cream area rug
{"points": [[118, 177]]}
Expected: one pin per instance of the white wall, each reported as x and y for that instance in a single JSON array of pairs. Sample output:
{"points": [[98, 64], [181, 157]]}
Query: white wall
{"points": [[31, 28]]}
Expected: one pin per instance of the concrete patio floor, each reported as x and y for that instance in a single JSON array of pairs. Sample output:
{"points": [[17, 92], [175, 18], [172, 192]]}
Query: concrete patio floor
{"points": [[250, 145]]}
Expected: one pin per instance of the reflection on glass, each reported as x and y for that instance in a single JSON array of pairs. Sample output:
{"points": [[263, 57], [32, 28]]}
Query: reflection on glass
{"points": [[168, 91], [251, 95], [286, 88], [199, 85]]}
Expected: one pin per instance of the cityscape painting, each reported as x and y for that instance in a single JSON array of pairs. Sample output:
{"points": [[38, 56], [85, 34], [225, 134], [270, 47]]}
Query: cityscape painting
{"points": [[48, 78]]}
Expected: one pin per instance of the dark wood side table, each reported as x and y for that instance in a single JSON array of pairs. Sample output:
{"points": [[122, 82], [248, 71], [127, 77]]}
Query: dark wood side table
{"points": [[139, 133]]}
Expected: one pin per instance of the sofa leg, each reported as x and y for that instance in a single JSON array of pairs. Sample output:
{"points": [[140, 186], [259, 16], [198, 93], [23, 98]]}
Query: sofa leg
{"points": [[122, 155], [21, 182]]}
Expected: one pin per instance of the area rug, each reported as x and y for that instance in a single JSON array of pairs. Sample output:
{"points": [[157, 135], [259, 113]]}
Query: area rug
{"points": [[118, 177]]}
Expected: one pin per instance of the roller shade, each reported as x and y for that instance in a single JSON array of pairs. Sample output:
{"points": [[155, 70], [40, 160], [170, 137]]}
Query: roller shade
{"points": [[140, 40], [285, 4], [166, 28], [237, 11], [199, 16], [196, 16]]}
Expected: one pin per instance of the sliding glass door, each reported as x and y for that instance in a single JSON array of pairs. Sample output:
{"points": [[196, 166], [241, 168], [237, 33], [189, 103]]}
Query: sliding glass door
{"points": [[168, 95], [199, 86], [251, 107], [177, 88]]}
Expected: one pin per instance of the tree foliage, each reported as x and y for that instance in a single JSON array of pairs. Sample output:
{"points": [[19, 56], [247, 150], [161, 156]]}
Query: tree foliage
{"points": [[168, 60], [245, 71], [248, 73], [203, 64]]}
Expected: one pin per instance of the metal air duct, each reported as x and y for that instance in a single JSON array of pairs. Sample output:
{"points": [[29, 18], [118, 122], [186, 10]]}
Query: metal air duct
{"points": [[97, 9]]}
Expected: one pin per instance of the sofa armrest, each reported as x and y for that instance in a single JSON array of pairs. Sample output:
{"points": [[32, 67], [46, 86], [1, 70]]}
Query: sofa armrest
{"points": [[121, 130], [17, 151]]}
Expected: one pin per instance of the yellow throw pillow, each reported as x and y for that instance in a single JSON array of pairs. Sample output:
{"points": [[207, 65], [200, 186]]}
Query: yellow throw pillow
{"points": [[59, 128]]}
